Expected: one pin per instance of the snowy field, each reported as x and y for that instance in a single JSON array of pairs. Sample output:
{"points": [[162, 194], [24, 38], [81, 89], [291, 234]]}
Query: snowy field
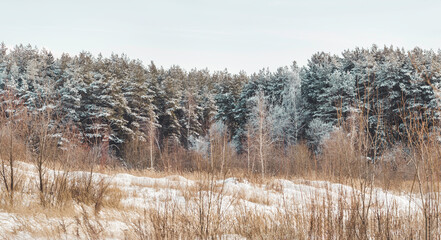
{"points": [[220, 202]]}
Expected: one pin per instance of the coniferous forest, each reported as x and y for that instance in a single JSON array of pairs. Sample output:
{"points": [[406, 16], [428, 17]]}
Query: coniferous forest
{"points": [[95, 147], [120, 101]]}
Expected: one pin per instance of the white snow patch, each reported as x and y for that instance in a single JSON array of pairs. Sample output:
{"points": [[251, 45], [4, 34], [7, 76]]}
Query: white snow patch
{"points": [[142, 193]]}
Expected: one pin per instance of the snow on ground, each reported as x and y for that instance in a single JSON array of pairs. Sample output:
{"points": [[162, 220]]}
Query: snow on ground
{"points": [[143, 193]]}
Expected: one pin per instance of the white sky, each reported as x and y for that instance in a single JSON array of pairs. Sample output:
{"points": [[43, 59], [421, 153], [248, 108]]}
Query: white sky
{"points": [[234, 34]]}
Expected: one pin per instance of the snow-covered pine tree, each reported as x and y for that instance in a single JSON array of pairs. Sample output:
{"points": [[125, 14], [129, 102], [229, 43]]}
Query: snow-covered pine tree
{"points": [[68, 89], [338, 98], [314, 82], [188, 119], [207, 109], [242, 110], [3, 66], [167, 104], [102, 111]]}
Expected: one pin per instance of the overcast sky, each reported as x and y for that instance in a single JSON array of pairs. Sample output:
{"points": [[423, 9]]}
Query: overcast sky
{"points": [[234, 34]]}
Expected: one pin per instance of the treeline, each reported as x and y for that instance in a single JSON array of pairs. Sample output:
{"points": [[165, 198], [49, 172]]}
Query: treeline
{"points": [[120, 101], [390, 88]]}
